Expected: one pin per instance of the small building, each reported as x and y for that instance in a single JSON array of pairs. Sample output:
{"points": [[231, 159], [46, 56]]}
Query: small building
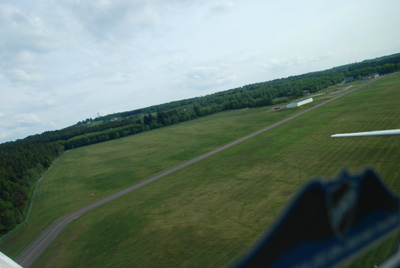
{"points": [[299, 102], [348, 79], [365, 77], [370, 76]]}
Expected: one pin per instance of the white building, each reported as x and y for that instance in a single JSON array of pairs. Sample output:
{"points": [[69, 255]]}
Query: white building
{"points": [[299, 102]]}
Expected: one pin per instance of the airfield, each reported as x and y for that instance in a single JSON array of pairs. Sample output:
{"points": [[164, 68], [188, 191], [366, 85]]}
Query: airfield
{"points": [[209, 213]]}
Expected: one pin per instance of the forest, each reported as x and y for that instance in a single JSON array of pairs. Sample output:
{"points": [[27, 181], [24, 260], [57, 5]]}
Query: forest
{"points": [[22, 162]]}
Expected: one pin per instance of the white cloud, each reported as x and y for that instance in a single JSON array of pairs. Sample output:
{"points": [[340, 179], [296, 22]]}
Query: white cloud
{"points": [[25, 39], [219, 8], [21, 75], [29, 118], [119, 77], [204, 73], [51, 102], [210, 77], [227, 79], [4, 133], [287, 66], [22, 31], [175, 63], [107, 20], [24, 57], [18, 125]]}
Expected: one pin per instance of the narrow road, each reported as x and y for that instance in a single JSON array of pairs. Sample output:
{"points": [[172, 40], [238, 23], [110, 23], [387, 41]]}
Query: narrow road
{"points": [[33, 251]]}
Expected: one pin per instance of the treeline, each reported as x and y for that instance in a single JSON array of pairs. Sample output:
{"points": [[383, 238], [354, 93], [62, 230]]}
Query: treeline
{"points": [[73, 131], [135, 125], [256, 95], [383, 65], [253, 95], [23, 161], [383, 69]]}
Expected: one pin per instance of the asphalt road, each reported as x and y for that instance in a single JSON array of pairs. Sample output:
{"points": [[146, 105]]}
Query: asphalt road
{"points": [[33, 251]]}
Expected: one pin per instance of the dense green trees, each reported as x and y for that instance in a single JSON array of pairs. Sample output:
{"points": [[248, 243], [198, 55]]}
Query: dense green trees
{"points": [[23, 161], [383, 65]]}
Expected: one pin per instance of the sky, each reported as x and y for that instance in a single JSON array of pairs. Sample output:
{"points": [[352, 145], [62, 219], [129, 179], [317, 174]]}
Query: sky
{"points": [[62, 61]]}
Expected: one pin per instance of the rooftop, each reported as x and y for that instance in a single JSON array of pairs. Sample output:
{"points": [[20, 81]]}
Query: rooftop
{"points": [[296, 101]]}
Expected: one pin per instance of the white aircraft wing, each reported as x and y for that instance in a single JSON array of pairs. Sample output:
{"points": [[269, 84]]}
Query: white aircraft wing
{"points": [[369, 133], [6, 262]]}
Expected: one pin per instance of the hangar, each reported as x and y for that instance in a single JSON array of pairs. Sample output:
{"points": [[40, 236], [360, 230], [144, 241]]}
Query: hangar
{"points": [[299, 102]]}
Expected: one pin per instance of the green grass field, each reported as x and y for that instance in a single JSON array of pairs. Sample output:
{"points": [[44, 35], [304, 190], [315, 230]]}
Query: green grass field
{"points": [[87, 174], [209, 213], [339, 87]]}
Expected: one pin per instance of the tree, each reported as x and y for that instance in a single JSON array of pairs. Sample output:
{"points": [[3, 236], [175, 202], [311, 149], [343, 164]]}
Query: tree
{"points": [[196, 110]]}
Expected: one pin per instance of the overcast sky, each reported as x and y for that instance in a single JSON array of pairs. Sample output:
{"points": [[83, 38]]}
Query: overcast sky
{"points": [[63, 61]]}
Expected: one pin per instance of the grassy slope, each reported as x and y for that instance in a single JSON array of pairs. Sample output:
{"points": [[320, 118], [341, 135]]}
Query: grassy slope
{"points": [[207, 214], [87, 174]]}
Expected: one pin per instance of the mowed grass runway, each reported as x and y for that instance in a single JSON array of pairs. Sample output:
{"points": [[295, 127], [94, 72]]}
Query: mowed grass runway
{"points": [[209, 213]]}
